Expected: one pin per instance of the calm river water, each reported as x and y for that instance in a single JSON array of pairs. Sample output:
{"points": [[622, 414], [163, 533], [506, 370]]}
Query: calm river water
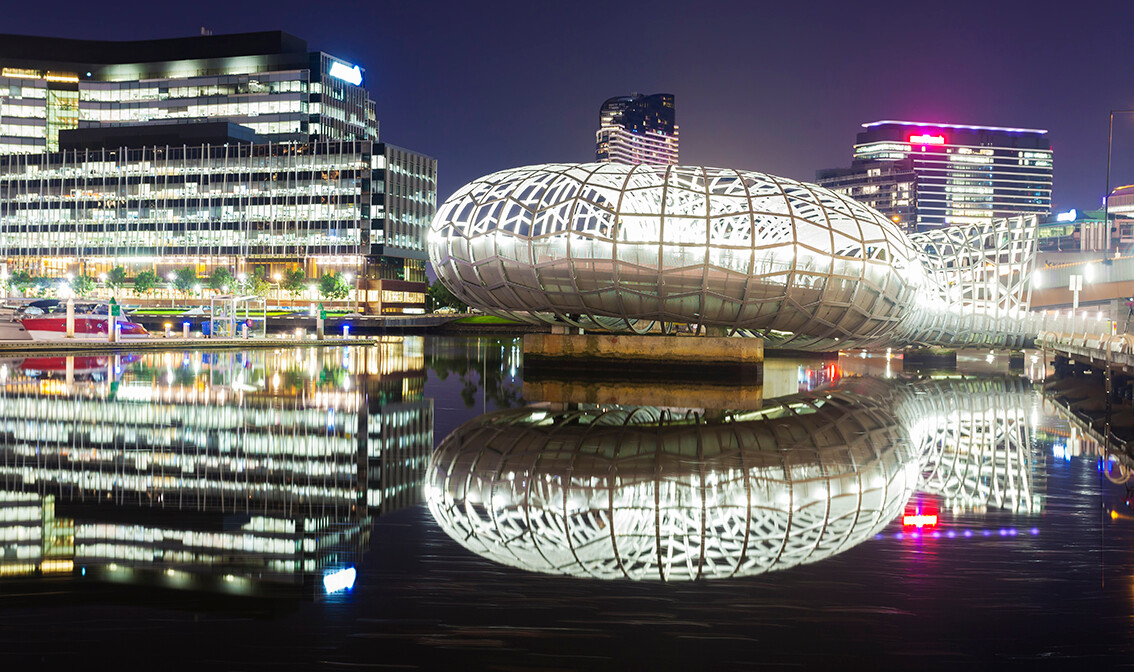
{"points": [[418, 504]]}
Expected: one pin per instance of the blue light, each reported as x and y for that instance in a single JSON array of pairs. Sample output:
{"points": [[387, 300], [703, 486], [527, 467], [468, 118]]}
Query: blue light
{"points": [[342, 579]]}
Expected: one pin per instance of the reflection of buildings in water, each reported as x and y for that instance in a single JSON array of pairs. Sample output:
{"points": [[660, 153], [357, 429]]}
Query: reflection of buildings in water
{"points": [[647, 494], [253, 466], [643, 493]]}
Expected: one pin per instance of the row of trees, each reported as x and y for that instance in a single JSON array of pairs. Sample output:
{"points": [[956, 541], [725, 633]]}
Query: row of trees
{"points": [[185, 281]]}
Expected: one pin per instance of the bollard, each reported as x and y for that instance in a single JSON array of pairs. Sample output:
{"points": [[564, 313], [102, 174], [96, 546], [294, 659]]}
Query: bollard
{"points": [[319, 327], [168, 329], [184, 330], [70, 318], [346, 331], [111, 328], [244, 330]]}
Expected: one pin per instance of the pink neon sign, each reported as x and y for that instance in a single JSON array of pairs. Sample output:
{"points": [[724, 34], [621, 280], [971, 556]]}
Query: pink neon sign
{"points": [[927, 139]]}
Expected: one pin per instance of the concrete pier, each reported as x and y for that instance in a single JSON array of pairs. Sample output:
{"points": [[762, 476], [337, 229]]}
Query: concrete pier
{"points": [[635, 352]]}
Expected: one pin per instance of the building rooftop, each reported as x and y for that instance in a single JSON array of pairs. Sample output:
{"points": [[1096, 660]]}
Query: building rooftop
{"points": [[934, 124], [30, 47]]}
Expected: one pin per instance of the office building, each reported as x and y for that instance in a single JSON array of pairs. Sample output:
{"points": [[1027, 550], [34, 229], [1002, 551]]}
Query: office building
{"points": [[927, 175], [242, 151], [637, 129]]}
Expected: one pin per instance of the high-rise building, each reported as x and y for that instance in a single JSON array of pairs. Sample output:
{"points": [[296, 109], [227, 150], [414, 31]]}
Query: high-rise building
{"points": [[637, 129], [927, 175], [65, 103]]}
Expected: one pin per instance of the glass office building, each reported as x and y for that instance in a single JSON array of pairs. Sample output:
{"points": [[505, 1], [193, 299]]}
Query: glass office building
{"points": [[637, 129], [105, 163], [926, 175]]}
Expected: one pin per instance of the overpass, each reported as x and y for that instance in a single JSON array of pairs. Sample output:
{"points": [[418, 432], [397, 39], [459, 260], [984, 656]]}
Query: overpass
{"points": [[1103, 282]]}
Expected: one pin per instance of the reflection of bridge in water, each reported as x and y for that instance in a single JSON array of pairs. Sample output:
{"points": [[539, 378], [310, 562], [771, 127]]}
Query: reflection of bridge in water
{"points": [[647, 493]]}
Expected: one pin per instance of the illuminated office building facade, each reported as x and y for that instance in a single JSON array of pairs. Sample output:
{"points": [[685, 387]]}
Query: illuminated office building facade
{"points": [[637, 129], [146, 102], [924, 176]]}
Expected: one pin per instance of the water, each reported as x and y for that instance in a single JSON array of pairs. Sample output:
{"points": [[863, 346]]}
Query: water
{"points": [[185, 508]]}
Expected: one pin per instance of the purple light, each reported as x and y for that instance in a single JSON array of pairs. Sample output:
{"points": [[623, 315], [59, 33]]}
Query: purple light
{"points": [[1012, 532], [898, 535], [968, 533], [987, 533], [936, 535], [1034, 530], [1003, 532], [950, 534]]}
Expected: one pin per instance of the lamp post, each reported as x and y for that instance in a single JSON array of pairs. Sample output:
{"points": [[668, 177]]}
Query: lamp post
{"points": [[171, 276], [276, 283], [1106, 196], [349, 278]]}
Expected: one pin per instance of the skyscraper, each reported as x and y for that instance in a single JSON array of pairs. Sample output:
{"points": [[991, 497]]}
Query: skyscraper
{"points": [[637, 129], [927, 175]]}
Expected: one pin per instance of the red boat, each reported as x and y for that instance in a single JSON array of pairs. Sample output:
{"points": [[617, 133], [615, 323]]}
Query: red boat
{"points": [[47, 321]]}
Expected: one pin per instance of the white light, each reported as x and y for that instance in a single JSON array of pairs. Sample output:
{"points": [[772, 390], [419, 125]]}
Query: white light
{"points": [[347, 73], [171, 276], [343, 579], [1068, 216]]}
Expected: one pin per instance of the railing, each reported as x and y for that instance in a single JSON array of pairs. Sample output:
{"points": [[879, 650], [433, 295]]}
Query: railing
{"points": [[1093, 272]]}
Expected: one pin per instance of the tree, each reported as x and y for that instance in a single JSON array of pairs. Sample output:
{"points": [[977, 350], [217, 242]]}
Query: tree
{"points": [[294, 282], [21, 281], [221, 278], [116, 277], [184, 280], [439, 296], [257, 283], [83, 285], [145, 282], [44, 285], [331, 286]]}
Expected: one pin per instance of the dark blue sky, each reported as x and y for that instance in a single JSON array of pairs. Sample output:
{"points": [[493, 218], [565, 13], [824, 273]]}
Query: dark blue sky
{"points": [[777, 87]]}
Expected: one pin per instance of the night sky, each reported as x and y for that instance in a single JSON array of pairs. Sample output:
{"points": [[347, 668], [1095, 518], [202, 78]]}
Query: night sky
{"points": [[776, 87]]}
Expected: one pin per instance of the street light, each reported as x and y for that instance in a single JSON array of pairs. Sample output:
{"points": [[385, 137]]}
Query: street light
{"points": [[171, 276], [1106, 196], [349, 278], [276, 278]]}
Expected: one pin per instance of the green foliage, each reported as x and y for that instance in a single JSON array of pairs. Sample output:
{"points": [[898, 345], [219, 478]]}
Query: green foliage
{"points": [[184, 280], [331, 286], [257, 283], [116, 277], [439, 296], [44, 286], [83, 285], [222, 278], [145, 282], [294, 282], [20, 281]]}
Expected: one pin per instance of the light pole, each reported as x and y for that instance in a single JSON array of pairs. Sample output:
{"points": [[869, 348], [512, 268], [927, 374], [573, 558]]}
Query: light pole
{"points": [[171, 276], [1106, 196], [276, 278], [349, 277]]}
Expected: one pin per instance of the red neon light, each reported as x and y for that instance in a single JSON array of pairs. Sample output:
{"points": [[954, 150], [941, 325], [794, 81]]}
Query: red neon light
{"points": [[927, 139], [920, 520]]}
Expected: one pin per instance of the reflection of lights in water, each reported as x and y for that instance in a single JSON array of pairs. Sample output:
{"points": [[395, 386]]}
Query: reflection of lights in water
{"points": [[339, 580]]}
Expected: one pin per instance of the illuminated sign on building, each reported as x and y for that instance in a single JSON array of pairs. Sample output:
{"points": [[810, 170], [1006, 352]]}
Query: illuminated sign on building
{"points": [[924, 139], [352, 74], [1068, 216]]}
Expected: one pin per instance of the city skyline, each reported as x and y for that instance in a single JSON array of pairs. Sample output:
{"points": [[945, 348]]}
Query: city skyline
{"points": [[483, 91]]}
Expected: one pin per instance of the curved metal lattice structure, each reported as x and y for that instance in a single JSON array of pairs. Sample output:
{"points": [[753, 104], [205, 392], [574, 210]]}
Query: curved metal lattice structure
{"points": [[642, 493], [627, 247]]}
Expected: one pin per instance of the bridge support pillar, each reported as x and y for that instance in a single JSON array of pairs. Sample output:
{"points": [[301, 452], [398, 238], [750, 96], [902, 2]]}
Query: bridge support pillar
{"points": [[636, 352]]}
